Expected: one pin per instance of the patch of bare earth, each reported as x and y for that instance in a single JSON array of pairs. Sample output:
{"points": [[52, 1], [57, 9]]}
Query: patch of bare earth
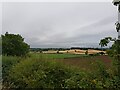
{"points": [[87, 63]]}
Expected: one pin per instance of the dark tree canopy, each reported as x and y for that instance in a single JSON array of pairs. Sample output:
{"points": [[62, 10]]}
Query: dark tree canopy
{"points": [[105, 41], [14, 45]]}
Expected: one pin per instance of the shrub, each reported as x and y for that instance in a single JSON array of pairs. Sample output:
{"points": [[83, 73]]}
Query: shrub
{"points": [[7, 63], [103, 78], [110, 53], [91, 54], [86, 53], [101, 53], [39, 74], [78, 80], [14, 45]]}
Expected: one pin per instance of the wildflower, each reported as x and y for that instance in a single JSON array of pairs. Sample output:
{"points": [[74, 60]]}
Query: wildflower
{"points": [[94, 81]]}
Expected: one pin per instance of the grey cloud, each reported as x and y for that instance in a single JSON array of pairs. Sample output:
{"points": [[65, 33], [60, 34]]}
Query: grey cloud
{"points": [[98, 26], [60, 24]]}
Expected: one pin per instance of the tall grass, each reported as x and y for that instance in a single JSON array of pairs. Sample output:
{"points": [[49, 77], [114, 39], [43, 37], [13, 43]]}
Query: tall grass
{"points": [[7, 63], [38, 73]]}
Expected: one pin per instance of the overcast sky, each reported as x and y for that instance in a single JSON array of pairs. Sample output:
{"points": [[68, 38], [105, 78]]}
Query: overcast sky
{"points": [[60, 24]]}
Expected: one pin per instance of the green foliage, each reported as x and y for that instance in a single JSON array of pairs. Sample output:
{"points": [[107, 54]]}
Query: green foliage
{"points": [[78, 80], [103, 78], [116, 47], [110, 52], [116, 56], [39, 74], [114, 81], [105, 41], [7, 63], [100, 70], [14, 45], [114, 52]]}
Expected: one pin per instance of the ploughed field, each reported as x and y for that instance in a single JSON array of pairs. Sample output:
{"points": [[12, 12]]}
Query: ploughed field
{"points": [[87, 62], [82, 61]]}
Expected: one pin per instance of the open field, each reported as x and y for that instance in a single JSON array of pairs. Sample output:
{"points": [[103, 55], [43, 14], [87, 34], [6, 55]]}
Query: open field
{"points": [[55, 55], [74, 51], [81, 61], [86, 62], [53, 70]]}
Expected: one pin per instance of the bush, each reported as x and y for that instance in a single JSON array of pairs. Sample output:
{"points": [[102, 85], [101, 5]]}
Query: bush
{"points": [[91, 54], [39, 74], [110, 53], [101, 53], [100, 70], [86, 53], [78, 80], [14, 45], [7, 63]]}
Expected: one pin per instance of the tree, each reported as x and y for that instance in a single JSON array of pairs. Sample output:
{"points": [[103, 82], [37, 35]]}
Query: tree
{"points": [[105, 41], [14, 45], [86, 53]]}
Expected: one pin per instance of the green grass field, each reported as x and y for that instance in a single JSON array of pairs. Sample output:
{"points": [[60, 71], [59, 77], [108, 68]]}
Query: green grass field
{"points": [[55, 56]]}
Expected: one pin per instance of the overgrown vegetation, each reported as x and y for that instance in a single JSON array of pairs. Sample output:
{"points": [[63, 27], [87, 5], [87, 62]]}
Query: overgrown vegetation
{"points": [[37, 71]]}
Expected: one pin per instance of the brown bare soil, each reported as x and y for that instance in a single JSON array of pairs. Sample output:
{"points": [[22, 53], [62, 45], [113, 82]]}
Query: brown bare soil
{"points": [[87, 63]]}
